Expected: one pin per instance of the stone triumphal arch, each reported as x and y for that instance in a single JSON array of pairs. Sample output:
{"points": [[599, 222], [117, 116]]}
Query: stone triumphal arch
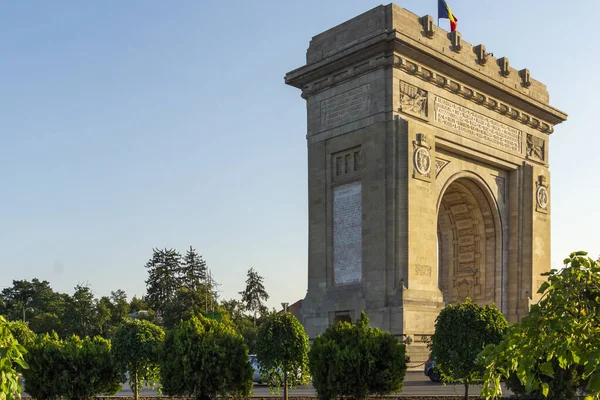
{"points": [[428, 175]]}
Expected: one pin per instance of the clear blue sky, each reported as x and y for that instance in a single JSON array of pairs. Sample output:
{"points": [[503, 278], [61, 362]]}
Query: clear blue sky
{"points": [[128, 125]]}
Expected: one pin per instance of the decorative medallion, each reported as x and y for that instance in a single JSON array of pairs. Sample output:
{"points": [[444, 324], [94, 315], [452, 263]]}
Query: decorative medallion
{"points": [[422, 160], [542, 197]]}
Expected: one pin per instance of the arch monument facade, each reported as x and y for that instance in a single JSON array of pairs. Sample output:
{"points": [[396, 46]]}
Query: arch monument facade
{"points": [[428, 175]]}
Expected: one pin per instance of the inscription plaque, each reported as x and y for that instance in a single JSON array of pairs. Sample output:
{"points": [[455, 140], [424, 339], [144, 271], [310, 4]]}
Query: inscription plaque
{"points": [[477, 125], [345, 107], [347, 233]]}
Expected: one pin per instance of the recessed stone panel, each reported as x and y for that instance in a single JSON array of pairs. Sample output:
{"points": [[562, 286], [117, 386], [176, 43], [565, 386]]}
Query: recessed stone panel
{"points": [[347, 233], [476, 125], [345, 107]]}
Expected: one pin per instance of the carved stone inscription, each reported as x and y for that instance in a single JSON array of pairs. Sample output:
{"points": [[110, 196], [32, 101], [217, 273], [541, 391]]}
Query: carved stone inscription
{"points": [[477, 125], [347, 234], [345, 107]]}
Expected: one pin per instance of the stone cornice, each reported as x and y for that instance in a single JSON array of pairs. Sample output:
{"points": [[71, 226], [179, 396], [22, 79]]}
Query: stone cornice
{"points": [[426, 53], [435, 60], [469, 93], [427, 75]]}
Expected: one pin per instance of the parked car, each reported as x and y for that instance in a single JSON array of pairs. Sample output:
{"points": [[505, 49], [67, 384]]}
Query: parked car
{"points": [[431, 370], [256, 367]]}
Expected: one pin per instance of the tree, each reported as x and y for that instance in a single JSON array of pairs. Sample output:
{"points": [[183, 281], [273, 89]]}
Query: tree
{"points": [[11, 359], [187, 303], [282, 347], [244, 326], [355, 360], [119, 307], [137, 304], [554, 351], [136, 351], [80, 316], [203, 358], [21, 332], [46, 323], [162, 282], [24, 300], [73, 368], [103, 314], [45, 360], [461, 332], [193, 272], [23, 335], [255, 293]]}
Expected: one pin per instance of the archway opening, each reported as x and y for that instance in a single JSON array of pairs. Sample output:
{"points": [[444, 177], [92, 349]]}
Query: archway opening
{"points": [[468, 244]]}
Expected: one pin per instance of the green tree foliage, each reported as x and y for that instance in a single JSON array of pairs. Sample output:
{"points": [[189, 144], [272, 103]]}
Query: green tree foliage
{"points": [[47, 311], [103, 318], [203, 358], [162, 283], [43, 378], [137, 304], [119, 307], [554, 351], [255, 293], [81, 315], [192, 272], [47, 322], [188, 303], [11, 360], [282, 347], [73, 368], [23, 335], [355, 360], [244, 326], [21, 332], [136, 350], [461, 332], [35, 299]]}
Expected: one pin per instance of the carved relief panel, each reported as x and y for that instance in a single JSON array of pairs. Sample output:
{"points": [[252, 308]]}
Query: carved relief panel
{"points": [[536, 148], [413, 100], [462, 227]]}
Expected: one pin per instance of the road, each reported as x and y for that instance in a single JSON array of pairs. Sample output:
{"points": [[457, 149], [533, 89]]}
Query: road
{"points": [[415, 384]]}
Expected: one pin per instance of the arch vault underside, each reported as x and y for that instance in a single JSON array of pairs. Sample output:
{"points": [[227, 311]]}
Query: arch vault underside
{"points": [[469, 243]]}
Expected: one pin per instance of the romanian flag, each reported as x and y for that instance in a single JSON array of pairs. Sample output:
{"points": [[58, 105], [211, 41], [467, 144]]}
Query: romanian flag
{"points": [[445, 12]]}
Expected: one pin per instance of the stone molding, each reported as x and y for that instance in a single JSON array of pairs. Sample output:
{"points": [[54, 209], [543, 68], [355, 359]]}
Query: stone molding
{"points": [[468, 93], [427, 75]]}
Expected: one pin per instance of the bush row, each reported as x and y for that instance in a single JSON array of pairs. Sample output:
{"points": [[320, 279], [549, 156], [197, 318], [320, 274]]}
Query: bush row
{"points": [[203, 358]]}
